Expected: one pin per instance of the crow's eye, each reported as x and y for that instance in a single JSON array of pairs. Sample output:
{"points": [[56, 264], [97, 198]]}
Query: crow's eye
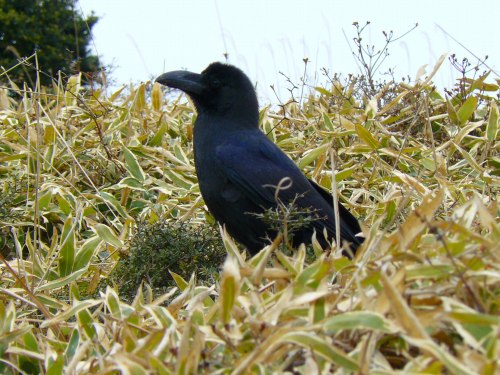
{"points": [[215, 83]]}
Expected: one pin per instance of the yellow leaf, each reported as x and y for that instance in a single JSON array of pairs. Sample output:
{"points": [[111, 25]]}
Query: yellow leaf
{"points": [[230, 287], [418, 220], [156, 96], [404, 315], [492, 126]]}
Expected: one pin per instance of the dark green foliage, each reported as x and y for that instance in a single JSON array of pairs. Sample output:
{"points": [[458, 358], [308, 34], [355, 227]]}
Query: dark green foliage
{"points": [[288, 219], [182, 248], [12, 193], [52, 28]]}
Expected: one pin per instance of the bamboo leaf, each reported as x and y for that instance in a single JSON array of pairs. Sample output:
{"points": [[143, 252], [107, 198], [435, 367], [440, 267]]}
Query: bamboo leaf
{"points": [[88, 249], [157, 138], [465, 112], [63, 281], [323, 91], [71, 312], [328, 122], [132, 165], [418, 220], [451, 362], [179, 280], [113, 303], [67, 250], [156, 96], [492, 125], [132, 183], [404, 315], [469, 158], [421, 271], [113, 202], [321, 347], [87, 324], [345, 174], [452, 113], [229, 288], [312, 155], [358, 320], [108, 235], [44, 198], [367, 137], [139, 103]]}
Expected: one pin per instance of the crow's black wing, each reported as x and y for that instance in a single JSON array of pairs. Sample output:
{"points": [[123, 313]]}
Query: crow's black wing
{"points": [[256, 167], [349, 224]]}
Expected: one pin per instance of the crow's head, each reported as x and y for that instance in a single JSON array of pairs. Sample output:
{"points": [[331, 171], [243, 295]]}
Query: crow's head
{"points": [[221, 89]]}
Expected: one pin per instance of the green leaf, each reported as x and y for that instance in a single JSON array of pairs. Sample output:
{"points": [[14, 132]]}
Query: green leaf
{"points": [[311, 155], [229, 288], [131, 183], [113, 202], [466, 130], [73, 343], [323, 91], [428, 271], [470, 159], [179, 180], [67, 252], [467, 109], [319, 310], [44, 199], [58, 283], [321, 347], [475, 318], [428, 164], [161, 315], [7, 317], [328, 122], [30, 342], [113, 303], [86, 321], [179, 280], [358, 320], [71, 312], [367, 137], [132, 164], [86, 252], [107, 235], [156, 140], [65, 205], [452, 113], [345, 173], [55, 367]]}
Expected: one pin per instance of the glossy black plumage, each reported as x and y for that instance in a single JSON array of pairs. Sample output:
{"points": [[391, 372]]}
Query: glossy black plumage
{"points": [[238, 167]]}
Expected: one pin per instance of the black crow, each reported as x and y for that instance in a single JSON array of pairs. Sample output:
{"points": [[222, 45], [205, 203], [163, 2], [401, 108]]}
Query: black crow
{"points": [[239, 168]]}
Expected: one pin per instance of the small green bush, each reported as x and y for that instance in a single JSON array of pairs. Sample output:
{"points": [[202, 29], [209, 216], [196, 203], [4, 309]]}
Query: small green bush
{"points": [[161, 247]]}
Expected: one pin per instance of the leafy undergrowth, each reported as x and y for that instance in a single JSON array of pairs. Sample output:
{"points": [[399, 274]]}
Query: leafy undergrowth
{"points": [[176, 247], [80, 170]]}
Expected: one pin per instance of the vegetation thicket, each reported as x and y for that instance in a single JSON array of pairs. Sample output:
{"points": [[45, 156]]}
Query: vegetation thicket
{"points": [[99, 201], [54, 32]]}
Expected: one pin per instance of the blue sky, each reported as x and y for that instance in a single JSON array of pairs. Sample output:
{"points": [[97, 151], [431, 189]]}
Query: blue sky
{"points": [[146, 38]]}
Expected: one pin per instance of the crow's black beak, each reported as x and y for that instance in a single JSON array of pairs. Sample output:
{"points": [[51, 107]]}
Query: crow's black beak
{"points": [[190, 83]]}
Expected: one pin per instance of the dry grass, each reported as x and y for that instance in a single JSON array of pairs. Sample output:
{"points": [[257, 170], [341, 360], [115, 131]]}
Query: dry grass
{"points": [[421, 171]]}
